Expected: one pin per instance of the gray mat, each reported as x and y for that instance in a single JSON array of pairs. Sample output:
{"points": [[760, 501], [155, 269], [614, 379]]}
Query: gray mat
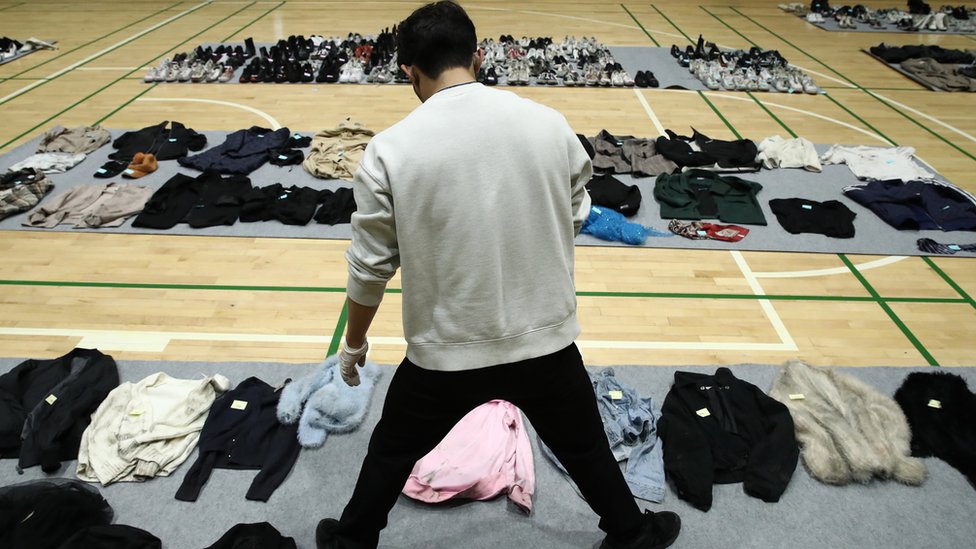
{"points": [[873, 236], [810, 515], [659, 61], [831, 25], [910, 75]]}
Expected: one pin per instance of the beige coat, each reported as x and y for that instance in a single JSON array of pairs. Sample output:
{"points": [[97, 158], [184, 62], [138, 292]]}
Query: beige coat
{"points": [[79, 140], [336, 152]]}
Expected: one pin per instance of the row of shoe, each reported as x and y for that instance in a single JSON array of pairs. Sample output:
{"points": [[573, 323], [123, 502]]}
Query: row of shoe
{"points": [[715, 76], [10, 48], [202, 64], [574, 62]]}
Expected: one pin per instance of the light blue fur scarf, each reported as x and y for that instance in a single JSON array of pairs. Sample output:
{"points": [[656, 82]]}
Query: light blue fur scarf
{"points": [[322, 403]]}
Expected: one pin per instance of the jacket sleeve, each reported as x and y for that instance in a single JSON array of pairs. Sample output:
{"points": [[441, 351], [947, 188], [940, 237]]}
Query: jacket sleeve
{"points": [[282, 455], [197, 476], [687, 453], [581, 172], [773, 459], [374, 254]]}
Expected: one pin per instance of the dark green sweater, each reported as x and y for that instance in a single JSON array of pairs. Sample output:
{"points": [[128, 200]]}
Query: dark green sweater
{"points": [[701, 194]]}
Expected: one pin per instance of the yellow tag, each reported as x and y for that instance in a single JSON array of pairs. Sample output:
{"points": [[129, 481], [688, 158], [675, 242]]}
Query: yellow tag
{"points": [[136, 412], [935, 403], [616, 395], [50, 399], [238, 404], [703, 412], [797, 396]]}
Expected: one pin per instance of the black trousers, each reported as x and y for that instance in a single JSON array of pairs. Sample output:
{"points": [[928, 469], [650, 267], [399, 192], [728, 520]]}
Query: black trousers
{"points": [[422, 406]]}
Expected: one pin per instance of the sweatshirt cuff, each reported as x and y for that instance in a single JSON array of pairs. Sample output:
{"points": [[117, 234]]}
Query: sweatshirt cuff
{"points": [[369, 295]]}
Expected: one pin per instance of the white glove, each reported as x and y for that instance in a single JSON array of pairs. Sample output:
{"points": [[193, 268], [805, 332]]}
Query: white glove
{"points": [[349, 359]]}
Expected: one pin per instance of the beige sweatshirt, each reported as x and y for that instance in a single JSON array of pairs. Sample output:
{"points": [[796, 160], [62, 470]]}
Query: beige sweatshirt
{"points": [[477, 196]]}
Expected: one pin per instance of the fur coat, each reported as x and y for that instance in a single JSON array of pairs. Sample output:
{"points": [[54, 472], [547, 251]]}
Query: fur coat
{"points": [[942, 413], [848, 431], [322, 403]]}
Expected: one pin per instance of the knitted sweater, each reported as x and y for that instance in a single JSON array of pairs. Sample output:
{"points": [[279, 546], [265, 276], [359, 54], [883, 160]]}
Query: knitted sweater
{"points": [[146, 429], [477, 194]]}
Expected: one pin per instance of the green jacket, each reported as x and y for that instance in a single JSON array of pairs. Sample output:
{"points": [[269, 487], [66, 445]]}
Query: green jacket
{"points": [[701, 194]]}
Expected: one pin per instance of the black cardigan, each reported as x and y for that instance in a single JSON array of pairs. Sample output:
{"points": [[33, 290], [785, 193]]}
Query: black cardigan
{"points": [[718, 429], [45, 405], [244, 436]]}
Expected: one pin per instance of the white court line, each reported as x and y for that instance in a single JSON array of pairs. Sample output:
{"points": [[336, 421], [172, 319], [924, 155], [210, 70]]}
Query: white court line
{"points": [[650, 112], [73, 66], [267, 117], [156, 341], [833, 270], [767, 307], [107, 68]]}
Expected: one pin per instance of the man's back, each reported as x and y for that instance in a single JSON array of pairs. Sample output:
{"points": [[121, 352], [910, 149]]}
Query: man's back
{"points": [[483, 188]]}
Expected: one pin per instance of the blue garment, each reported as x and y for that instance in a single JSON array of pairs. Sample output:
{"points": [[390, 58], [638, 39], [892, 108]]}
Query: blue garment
{"points": [[607, 224], [241, 153], [630, 423], [917, 205]]}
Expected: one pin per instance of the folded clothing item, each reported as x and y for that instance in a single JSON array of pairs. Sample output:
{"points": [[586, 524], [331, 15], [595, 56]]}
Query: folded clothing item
{"points": [[800, 215], [606, 190], [697, 230]]}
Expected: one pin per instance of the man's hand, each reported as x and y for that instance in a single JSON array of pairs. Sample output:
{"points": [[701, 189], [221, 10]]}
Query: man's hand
{"points": [[349, 359]]}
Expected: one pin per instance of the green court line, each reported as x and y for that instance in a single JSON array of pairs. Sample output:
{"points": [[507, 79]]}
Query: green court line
{"points": [[668, 19], [770, 113], [945, 276], [52, 79], [863, 121], [865, 90], [639, 24], [327, 289], [717, 112], [730, 27], [126, 104], [120, 29], [340, 329], [240, 30], [119, 79], [13, 6], [891, 314]]}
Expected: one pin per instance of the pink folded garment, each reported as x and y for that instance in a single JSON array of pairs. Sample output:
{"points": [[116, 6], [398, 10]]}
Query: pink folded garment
{"points": [[485, 454]]}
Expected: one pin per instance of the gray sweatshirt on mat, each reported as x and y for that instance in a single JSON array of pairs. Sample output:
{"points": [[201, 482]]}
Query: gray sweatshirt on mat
{"points": [[477, 196]]}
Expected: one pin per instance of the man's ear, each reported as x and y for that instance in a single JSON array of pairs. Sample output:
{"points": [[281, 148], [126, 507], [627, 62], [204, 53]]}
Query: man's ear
{"points": [[409, 72], [479, 58]]}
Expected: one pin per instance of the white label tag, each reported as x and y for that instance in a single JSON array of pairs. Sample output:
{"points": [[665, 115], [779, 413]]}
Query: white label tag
{"points": [[935, 403], [703, 412], [238, 404], [954, 247], [282, 157], [102, 170], [702, 233], [616, 395], [51, 399], [172, 140], [797, 396], [129, 172], [806, 207]]}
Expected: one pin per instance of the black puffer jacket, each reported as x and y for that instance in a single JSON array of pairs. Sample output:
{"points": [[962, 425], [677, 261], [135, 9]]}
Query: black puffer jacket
{"points": [[45, 405]]}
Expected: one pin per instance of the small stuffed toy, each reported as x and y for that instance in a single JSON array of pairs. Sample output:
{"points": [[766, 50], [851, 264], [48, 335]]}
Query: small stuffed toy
{"points": [[323, 403]]}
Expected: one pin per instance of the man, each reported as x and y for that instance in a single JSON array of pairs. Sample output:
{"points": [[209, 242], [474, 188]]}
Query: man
{"points": [[476, 196]]}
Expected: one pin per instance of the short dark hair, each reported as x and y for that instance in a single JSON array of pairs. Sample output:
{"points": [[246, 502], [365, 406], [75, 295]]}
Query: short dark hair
{"points": [[436, 37]]}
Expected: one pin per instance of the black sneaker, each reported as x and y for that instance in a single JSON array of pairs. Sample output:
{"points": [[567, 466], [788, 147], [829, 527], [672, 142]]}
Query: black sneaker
{"points": [[640, 80], [325, 537], [651, 79], [659, 531]]}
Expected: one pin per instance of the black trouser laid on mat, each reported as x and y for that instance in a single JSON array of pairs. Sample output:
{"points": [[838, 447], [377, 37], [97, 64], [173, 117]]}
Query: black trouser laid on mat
{"points": [[422, 406]]}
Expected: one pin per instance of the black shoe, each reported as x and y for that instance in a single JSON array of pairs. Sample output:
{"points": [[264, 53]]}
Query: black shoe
{"points": [[675, 52], [651, 79], [700, 48], [640, 80], [491, 77], [659, 531], [249, 50]]}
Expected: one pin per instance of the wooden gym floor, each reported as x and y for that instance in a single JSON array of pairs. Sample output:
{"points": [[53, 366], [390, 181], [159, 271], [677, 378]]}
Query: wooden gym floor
{"points": [[241, 299]]}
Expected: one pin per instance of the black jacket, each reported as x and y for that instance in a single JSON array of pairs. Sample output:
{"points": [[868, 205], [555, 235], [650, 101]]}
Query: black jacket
{"points": [[259, 535], [203, 201], [800, 215], [241, 153], [244, 436], [45, 405], [337, 206], [606, 190], [718, 429], [739, 154], [165, 143], [941, 412], [290, 205]]}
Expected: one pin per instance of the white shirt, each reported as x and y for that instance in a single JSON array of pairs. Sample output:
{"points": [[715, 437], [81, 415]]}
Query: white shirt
{"points": [[776, 152], [878, 163], [478, 195]]}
